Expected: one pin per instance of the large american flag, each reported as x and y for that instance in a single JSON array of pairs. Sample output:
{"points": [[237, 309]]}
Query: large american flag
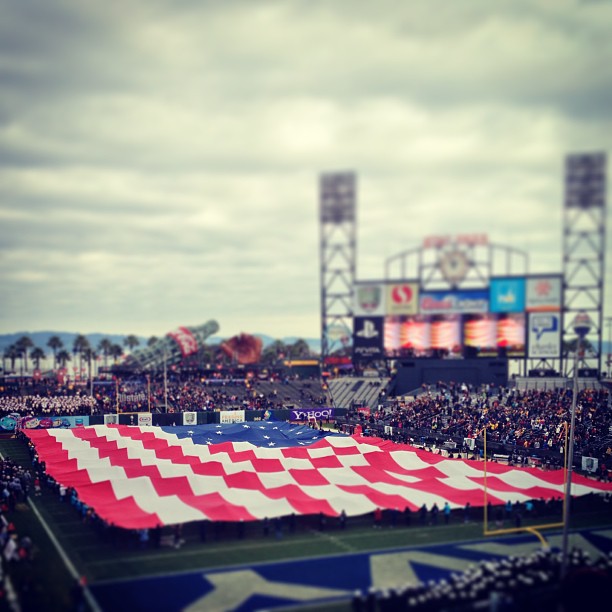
{"points": [[138, 477]]}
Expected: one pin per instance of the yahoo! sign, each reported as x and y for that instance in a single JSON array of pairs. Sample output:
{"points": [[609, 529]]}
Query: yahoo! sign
{"points": [[315, 413]]}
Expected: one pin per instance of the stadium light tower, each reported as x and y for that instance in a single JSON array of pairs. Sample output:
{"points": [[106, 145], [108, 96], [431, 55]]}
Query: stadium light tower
{"points": [[581, 326], [338, 239]]}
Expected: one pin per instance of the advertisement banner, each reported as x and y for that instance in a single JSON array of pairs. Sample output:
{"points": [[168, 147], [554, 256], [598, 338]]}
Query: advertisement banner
{"points": [[544, 334], [111, 419], [186, 341], [232, 416], [9, 422], [64, 422], [368, 337], [145, 419], [470, 443], [402, 298], [507, 294], [543, 294], [454, 302], [190, 418], [319, 414], [369, 299]]}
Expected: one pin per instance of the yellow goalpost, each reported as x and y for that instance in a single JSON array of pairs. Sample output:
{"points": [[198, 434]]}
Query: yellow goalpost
{"points": [[533, 529]]}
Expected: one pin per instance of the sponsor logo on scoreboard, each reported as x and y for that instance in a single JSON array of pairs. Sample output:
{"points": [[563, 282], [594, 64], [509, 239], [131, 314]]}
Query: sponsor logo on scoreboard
{"points": [[369, 299], [507, 294], [543, 294], [447, 302], [544, 335], [402, 298], [368, 337]]}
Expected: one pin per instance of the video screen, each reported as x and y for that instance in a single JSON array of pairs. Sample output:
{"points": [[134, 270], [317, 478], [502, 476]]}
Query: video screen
{"points": [[455, 335], [480, 333], [511, 333]]}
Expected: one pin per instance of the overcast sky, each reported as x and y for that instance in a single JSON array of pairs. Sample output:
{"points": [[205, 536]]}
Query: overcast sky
{"points": [[160, 159]]}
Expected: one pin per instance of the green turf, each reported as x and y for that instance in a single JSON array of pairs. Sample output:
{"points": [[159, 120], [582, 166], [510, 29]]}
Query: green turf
{"points": [[47, 583]]}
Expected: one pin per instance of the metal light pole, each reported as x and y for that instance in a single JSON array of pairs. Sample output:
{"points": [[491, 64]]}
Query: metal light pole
{"points": [[609, 360], [581, 325], [165, 384]]}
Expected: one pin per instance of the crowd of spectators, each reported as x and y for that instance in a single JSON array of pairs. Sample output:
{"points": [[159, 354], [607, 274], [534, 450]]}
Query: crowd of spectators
{"points": [[16, 484], [529, 583], [50, 398], [523, 421], [48, 405]]}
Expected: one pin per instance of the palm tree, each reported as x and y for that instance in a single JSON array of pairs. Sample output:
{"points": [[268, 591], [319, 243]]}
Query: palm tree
{"points": [[11, 353], [23, 344], [274, 352], [63, 357], [79, 346], [89, 355], [131, 341], [152, 340], [55, 344], [299, 349], [37, 354], [116, 352], [105, 346]]}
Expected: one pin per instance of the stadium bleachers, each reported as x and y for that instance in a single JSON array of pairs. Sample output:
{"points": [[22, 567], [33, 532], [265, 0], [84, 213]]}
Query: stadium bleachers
{"points": [[348, 392], [529, 383]]}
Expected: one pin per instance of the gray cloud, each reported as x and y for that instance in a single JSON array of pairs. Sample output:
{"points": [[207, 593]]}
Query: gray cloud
{"points": [[159, 160]]}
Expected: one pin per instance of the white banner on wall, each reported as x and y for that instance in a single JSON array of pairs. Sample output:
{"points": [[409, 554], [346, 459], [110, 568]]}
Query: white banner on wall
{"points": [[111, 419], [145, 419], [232, 416], [190, 418], [590, 464]]}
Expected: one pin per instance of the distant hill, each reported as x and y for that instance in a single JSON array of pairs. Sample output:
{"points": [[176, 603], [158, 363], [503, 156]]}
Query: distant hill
{"points": [[40, 339]]}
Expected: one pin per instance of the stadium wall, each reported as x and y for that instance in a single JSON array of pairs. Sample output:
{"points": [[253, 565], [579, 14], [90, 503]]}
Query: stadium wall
{"points": [[207, 417]]}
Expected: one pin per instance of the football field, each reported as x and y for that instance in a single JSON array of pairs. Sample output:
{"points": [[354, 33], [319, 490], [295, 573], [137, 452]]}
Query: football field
{"points": [[223, 568]]}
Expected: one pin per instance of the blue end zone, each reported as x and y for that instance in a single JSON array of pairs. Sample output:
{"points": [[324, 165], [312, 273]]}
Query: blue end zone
{"points": [[319, 580]]}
